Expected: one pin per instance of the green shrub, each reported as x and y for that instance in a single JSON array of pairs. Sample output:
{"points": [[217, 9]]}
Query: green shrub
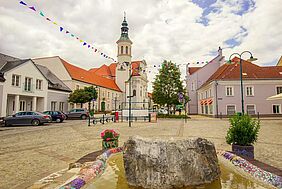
{"points": [[172, 116], [243, 130]]}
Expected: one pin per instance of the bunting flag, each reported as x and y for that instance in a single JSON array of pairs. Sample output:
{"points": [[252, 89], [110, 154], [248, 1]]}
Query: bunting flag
{"points": [[67, 31], [32, 8], [23, 3]]}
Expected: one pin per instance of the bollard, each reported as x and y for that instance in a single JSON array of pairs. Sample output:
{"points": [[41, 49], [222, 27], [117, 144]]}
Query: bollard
{"points": [[220, 115], [258, 115]]}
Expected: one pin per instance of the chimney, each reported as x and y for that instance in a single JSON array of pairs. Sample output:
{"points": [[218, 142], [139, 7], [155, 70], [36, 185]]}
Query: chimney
{"points": [[220, 51]]}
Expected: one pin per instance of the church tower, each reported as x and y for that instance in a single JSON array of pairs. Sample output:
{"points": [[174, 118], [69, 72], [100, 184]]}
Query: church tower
{"points": [[123, 56]]}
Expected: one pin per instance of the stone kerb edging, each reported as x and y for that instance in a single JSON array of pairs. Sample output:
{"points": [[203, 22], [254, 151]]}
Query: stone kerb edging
{"points": [[252, 170], [93, 171]]}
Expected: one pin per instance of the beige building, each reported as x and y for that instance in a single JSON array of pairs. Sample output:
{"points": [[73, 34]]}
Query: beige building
{"points": [[77, 78]]}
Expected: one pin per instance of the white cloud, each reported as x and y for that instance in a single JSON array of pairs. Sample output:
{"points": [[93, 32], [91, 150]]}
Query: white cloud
{"points": [[159, 29]]}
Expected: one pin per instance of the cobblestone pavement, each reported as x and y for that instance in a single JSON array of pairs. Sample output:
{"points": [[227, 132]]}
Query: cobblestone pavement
{"points": [[28, 153]]}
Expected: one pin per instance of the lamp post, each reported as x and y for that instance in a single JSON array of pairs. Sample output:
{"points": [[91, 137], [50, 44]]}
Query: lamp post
{"points": [[241, 74]]}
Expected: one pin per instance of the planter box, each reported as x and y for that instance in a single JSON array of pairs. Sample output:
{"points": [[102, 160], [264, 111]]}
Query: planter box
{"points": [[109, 144], [245, 151]]}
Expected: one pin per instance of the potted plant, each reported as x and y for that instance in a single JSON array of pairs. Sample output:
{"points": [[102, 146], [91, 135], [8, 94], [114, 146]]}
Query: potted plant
{"points": [[242, 134], [110, 139]]}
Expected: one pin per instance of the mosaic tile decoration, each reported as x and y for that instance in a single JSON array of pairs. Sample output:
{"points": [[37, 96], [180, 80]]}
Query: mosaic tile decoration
{"points": [[93, 171], [253, 170]]}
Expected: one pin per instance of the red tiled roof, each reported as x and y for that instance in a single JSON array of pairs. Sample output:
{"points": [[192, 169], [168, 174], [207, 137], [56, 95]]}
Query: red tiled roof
{"points": [[110, 71], [192, 70], [250, 71], [89, 77]]}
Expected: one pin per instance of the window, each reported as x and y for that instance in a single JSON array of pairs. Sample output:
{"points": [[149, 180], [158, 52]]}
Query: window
{"points": [[53, 105], [211, 108], [27, 84], [61, 108], [15, 80], [229, 91], [113, 95], [22, 105], [141, 91], [202, 108], [251, 109], [206, 109], [39, 84], [230, 109], [192, 86], [276, 109], [134, 92], [108, 94], [210, 93], [206, 94], [278, 90], [126, 49], [250, 91], [121, 50]]}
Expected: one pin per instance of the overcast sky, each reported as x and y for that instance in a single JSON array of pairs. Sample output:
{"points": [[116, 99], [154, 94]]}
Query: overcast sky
{"points": [[179, 30]]}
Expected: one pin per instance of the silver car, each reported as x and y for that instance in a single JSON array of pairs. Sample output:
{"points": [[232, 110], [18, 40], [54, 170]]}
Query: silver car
{"points": [[27, 118]]}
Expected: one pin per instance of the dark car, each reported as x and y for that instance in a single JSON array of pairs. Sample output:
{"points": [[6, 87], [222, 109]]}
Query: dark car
{"points": [[78, 113], [57, 116], [27, 118]]}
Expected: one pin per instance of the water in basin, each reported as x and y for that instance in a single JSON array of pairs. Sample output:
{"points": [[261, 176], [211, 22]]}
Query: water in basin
{"points": [[114, 178]]}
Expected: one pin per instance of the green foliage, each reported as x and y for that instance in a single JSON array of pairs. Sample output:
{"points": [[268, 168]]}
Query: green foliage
{"points": [[243, 130], [172, 116], [83, 95], [168, 85]]}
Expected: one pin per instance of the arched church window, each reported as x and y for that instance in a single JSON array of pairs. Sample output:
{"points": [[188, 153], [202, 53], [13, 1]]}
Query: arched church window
{"points": [[134, 92], [126, 50], [121, 49]]}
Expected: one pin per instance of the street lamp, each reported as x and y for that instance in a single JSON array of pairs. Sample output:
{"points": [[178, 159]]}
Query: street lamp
{"points": [[241, 74]]}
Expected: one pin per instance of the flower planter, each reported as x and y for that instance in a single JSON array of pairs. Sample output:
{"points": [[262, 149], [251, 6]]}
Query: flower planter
{"points": [[107, 144], [245, 151]]}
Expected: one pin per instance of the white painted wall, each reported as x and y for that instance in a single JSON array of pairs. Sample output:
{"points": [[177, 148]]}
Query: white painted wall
{"points": [[27, 69]]}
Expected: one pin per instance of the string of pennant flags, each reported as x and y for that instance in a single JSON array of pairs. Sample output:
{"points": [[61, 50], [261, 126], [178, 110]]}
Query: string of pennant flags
{"points": [[158, 66], [180, 65], [67, 32]]}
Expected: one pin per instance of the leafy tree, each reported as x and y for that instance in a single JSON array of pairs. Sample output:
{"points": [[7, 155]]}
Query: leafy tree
{"points": [[168, 85], [83, 95]]}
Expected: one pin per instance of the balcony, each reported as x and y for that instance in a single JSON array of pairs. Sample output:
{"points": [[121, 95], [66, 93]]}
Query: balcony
{"points": [[27, 87]]}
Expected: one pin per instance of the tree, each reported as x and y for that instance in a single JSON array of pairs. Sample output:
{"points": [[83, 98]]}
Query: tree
{"points": [[168, 85], [83, 95]]}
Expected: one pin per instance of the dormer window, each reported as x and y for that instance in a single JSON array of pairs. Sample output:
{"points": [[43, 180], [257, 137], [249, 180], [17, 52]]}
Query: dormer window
{"points": [[126, 50]]}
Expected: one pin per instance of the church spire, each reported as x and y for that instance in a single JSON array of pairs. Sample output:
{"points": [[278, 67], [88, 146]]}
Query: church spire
{"points": [[124, 29]]}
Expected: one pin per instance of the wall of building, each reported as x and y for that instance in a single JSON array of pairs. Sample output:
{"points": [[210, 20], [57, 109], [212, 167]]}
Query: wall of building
{"points": [[57, 96], [197, 79], [23, 70], [262, 90], [55, 65]]}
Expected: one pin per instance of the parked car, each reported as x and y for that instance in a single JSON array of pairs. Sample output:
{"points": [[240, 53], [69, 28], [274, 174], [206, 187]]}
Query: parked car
{"points": [[27, 118], [79, 113], [57, 116]]}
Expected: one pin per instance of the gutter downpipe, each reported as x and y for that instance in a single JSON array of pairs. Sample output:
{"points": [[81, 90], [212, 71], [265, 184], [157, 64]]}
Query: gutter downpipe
{"points": [[216, 84]]}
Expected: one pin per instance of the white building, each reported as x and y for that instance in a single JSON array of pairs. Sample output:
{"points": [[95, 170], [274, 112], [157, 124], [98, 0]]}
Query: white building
{"points": [[22, 90], [27, 88]]}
